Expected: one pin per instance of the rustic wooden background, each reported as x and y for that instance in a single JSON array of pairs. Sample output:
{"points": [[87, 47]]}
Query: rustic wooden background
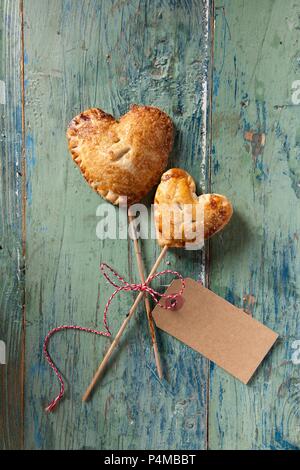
{"points": [[224, 71]]}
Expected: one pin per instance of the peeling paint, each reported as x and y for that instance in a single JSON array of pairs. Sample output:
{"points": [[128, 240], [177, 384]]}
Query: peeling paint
{"points": [[258, 140], [2, 92]]}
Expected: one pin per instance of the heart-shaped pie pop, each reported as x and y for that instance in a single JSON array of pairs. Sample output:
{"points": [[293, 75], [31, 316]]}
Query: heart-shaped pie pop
{"points": [[125, 157], [205, 215]]}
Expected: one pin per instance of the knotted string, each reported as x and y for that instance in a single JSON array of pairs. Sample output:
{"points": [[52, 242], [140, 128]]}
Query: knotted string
{"points": [[123, 286]]}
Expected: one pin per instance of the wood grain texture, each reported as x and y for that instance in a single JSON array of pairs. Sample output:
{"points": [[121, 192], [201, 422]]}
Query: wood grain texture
{"points": [[108, 54], [111, 54], [11, 264], [256, 263]]}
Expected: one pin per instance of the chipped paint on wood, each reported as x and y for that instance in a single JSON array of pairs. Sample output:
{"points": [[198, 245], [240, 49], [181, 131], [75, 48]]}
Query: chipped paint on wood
{"points": [[258, 140], [12, 268], [111, 54], [2, 92]]}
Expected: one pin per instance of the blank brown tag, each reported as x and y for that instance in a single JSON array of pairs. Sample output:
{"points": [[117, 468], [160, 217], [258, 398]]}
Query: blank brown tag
{"points": [[217, 329]]}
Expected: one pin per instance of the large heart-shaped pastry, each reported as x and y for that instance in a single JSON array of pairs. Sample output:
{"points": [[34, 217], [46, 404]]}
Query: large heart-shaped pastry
{"points": [[177, 191], [125, 157]]}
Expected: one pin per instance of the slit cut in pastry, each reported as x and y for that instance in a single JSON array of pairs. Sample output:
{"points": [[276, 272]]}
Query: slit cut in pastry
{"points": [[125, 157], [206, 214]]}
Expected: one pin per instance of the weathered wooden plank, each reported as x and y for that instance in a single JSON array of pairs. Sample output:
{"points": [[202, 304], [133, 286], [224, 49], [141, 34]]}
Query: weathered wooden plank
{"points": [[11, 264], [108, 54], [256, 262]]}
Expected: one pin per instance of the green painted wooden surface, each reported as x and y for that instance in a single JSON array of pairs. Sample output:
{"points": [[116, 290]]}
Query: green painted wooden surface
{"points": [[106, 54], [256, 264], [110, 54], [11, 264]]}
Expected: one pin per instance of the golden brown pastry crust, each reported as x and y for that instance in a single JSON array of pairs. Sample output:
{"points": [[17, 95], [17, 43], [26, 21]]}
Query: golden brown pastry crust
{"points": [[125, 157], [176, 189]]}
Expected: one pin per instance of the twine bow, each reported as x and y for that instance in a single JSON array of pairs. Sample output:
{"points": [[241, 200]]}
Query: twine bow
{"points": [[123, 286]]}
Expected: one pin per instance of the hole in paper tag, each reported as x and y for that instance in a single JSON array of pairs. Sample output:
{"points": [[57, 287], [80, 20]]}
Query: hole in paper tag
{"points": [[175, 304]]}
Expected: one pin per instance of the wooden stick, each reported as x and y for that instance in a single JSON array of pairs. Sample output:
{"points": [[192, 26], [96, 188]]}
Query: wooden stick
{"points": [[141, 269], [121, 330]]}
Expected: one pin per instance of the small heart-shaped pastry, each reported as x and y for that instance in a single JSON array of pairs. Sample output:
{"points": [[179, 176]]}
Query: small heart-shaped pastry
{"points": [[175, 195], [125, 157]]}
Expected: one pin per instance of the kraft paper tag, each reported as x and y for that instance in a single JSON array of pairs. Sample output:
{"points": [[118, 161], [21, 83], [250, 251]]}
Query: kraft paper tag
{"points": [[217, 329]]}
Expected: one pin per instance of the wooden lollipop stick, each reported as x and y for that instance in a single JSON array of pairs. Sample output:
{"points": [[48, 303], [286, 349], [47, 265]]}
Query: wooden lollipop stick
{"points": [[141, 269], [121, 330]]}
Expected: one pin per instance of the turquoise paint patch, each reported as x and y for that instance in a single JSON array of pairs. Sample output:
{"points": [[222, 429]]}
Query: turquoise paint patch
{"points": [[216, 85], [216, 167], [38, 437], [283, 443], [29, 192]]}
